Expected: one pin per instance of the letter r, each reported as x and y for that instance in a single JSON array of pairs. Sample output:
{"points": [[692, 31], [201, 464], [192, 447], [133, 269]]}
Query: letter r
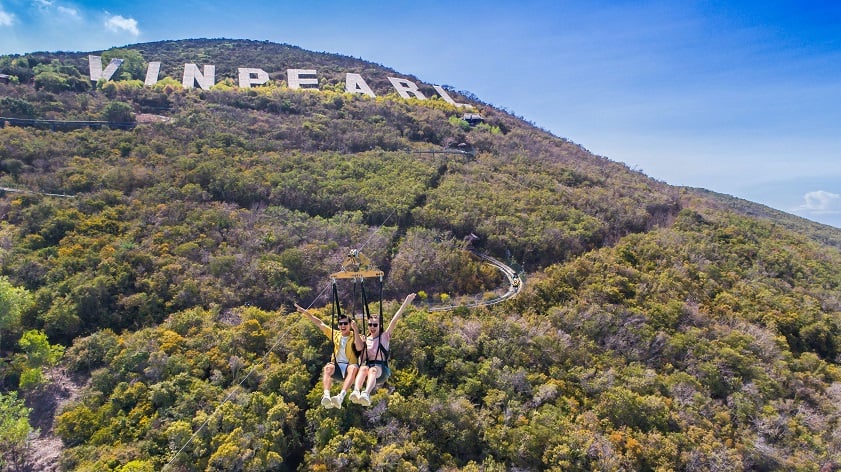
{"points": [[406, 87]]}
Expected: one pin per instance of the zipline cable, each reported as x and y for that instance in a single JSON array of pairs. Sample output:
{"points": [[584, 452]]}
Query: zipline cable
{"points": [[263, 360], [237, 386], [378, 229]]}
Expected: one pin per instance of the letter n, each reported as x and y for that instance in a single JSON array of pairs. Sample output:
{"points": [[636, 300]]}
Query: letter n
{"points": [[192, 75], [95, 66]]}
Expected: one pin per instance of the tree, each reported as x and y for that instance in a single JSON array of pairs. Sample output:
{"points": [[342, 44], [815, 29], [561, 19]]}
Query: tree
{"points": [[51, 82], [38, 353], [12, 166], [14, 428], [137, 466], [133, 66], [118, 112], [13, 301], [17, 108], [76, 425]]}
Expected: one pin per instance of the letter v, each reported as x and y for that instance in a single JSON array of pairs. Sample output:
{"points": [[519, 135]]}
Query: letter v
{"points": [[95, 66]]}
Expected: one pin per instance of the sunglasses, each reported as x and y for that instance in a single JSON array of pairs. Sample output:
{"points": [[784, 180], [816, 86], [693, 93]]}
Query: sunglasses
{"points": [[372, 325], [343, 323]]}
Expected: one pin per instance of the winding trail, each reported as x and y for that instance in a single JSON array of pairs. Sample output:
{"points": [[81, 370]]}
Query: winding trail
{"points": [[515, 284]]}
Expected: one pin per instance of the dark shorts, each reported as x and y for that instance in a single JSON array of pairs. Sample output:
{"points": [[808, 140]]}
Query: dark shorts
{"points": [[385, 372], [337, 372]]}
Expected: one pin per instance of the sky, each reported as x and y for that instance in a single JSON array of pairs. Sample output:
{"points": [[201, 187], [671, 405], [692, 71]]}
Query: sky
{"points": [[738, 97]]}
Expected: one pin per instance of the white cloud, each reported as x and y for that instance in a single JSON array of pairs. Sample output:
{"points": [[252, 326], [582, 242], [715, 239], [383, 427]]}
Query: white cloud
{"points": [[50, 9], [6, 19], [118, 23], [822, 202], [68, 12]]}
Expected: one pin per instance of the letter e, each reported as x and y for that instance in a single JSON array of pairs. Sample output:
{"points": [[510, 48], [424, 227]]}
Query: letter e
{"points": [[295, 80]]}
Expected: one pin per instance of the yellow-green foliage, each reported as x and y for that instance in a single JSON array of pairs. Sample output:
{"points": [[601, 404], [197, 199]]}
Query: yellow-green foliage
{"points": [[14, 429], [656, 330]]}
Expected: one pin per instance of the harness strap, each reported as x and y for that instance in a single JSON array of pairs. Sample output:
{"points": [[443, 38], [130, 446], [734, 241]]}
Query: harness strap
{"points": [[336, 314]]}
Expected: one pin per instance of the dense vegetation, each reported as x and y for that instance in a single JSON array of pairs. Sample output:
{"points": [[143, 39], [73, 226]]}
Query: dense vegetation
{"points": [[659, 328]]}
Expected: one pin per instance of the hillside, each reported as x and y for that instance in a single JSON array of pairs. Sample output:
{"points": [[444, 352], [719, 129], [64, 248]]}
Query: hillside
{"points": [[659, 328], [821, 233]]}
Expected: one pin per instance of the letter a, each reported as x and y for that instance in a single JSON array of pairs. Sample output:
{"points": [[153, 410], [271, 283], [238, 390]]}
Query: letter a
{"points": [[95, 66], [354, 83]]}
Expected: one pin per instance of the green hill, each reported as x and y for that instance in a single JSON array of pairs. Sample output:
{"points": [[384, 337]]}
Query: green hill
{"points": [[154, 253]]}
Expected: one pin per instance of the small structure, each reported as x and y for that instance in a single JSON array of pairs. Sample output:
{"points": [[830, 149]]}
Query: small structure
{"points": [[473, 119], [5, 78], [460, 148]]}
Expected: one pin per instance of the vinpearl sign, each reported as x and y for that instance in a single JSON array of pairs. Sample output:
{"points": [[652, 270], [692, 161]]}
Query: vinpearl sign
{"points": [[249, 77]]}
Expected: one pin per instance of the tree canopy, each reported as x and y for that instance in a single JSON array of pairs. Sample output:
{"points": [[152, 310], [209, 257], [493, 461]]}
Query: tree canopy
{"points": [[659, 328]]}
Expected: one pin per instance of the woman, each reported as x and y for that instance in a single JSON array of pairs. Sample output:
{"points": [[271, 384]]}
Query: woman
{"points": [[375, 369]]}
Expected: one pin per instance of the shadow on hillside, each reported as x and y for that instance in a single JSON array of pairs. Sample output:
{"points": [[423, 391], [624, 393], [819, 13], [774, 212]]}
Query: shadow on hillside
{"points": [[45, 447]]}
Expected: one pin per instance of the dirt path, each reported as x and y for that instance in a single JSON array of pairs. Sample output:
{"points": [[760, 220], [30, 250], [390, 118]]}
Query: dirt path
{"points": [[45, 448]]}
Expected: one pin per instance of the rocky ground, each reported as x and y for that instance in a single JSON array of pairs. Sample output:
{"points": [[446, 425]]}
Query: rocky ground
{"points": [[45, 447]]}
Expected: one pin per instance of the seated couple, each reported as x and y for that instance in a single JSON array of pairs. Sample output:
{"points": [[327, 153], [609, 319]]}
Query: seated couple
{"points": [[362, 362]]}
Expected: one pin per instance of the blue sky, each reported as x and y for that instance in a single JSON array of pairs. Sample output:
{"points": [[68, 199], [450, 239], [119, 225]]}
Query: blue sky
{"points": [[739, 97]]}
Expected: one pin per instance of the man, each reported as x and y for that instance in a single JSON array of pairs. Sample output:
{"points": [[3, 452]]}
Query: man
{"points": [[347, 342], [376, 371]]}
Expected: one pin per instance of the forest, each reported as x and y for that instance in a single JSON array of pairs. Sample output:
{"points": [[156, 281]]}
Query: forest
{"points": [[148, 278]]}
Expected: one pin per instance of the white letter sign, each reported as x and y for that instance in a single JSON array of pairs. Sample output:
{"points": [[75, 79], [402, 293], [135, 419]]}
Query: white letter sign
{"points": [[405, 87], [354, 83], [249, 77], [192, 75], [295, 80], [152, 71], [95, 66], [447, 97], [254, 76]]}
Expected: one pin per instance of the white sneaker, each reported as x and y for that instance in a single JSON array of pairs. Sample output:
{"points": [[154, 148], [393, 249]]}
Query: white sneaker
{"points": [[354, 396], [326, 402], [338, 399], [364, 399]]}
